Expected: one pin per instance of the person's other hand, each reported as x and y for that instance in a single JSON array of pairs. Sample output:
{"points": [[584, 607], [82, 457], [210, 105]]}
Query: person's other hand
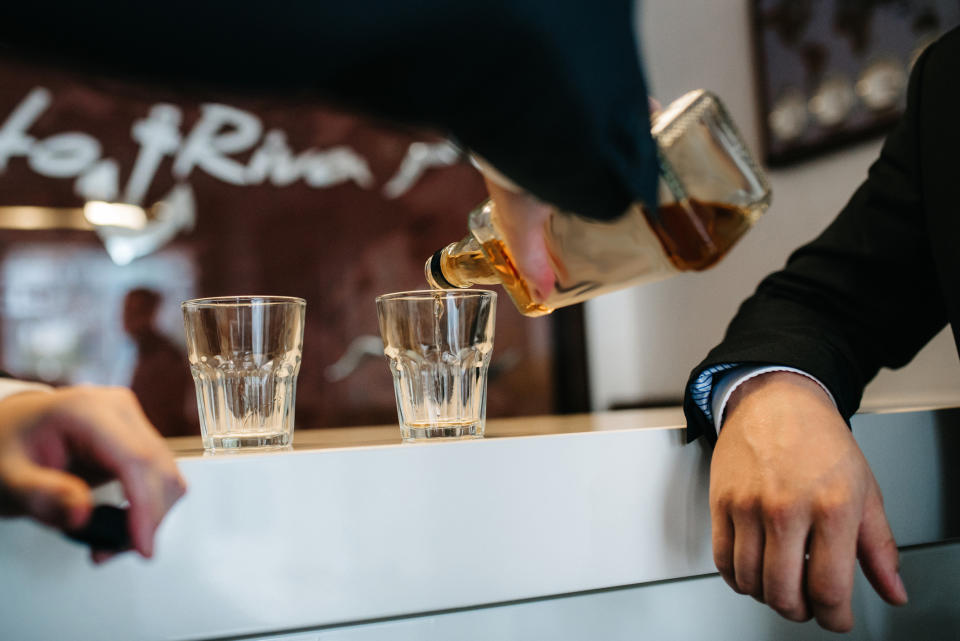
{"points": [[794, 503], [55, 445]]}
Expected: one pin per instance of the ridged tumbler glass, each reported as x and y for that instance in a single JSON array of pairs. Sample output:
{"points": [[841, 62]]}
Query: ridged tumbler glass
{"points": [[244, 354], [438, 345]]}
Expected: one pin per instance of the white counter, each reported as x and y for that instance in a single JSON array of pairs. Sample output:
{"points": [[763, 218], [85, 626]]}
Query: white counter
{"points": [[355, 527]]}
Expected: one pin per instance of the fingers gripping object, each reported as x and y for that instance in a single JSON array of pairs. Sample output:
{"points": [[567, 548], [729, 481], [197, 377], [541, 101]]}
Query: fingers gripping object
{"points": [[106, 530]]}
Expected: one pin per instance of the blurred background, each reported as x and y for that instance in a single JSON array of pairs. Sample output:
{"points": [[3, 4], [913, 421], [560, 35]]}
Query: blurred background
{"points": [[119, 200], [262, 196]]}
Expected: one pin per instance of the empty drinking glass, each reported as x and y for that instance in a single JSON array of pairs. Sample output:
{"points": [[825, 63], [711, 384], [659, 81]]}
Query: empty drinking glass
{"points": [[244, 353]]}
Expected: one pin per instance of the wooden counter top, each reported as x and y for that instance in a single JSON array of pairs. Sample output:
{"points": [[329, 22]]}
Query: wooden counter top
{"points": [[380, 435]]}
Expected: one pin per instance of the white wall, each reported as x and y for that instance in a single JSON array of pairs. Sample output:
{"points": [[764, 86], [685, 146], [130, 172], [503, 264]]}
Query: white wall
{"points": [[671, 325]]}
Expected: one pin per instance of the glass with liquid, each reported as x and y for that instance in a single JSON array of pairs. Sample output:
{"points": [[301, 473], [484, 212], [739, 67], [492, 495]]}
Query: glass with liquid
{"points": [[438, 346], [244, 354]]}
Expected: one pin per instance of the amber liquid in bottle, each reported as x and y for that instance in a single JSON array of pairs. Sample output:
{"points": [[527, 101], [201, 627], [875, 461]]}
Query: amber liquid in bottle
{"points": [[511, 280], [699, 153], [696, 234], [593, 257]]}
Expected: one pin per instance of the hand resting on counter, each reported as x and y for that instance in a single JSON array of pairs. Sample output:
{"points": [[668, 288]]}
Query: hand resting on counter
{"points": [[793, 504]]}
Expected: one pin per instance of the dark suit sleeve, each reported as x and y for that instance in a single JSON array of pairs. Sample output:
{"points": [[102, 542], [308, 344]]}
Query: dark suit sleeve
{"points": [[861, 296], [550, 93]]}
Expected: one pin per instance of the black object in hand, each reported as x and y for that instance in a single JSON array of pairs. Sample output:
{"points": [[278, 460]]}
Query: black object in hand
{"points": [[106, 530]]}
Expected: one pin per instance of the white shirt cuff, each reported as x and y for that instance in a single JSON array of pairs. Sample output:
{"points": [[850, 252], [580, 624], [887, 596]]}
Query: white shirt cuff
{"points": [[11, 386], [732, 379]]}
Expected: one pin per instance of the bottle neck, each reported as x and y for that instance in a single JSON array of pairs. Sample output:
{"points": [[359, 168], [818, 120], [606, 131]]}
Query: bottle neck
{"points": [[460, 265]]}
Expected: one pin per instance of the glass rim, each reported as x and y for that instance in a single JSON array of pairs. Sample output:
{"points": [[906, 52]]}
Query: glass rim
{"points": [[243, 300], [433, 294]]}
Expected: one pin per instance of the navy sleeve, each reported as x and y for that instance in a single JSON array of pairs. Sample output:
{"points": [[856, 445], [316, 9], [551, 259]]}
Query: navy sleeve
{"points": [[550, 93]]}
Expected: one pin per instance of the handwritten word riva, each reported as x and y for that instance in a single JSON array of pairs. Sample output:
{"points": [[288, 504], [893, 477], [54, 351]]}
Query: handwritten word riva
{"points": [[220, 133]]}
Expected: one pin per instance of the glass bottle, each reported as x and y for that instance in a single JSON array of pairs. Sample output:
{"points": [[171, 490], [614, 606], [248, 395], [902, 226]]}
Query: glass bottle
{"points": [[711, 193]]}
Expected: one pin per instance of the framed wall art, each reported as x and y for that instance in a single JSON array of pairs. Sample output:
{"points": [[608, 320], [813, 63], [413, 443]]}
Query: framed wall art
{"points": [[832, 72]]}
